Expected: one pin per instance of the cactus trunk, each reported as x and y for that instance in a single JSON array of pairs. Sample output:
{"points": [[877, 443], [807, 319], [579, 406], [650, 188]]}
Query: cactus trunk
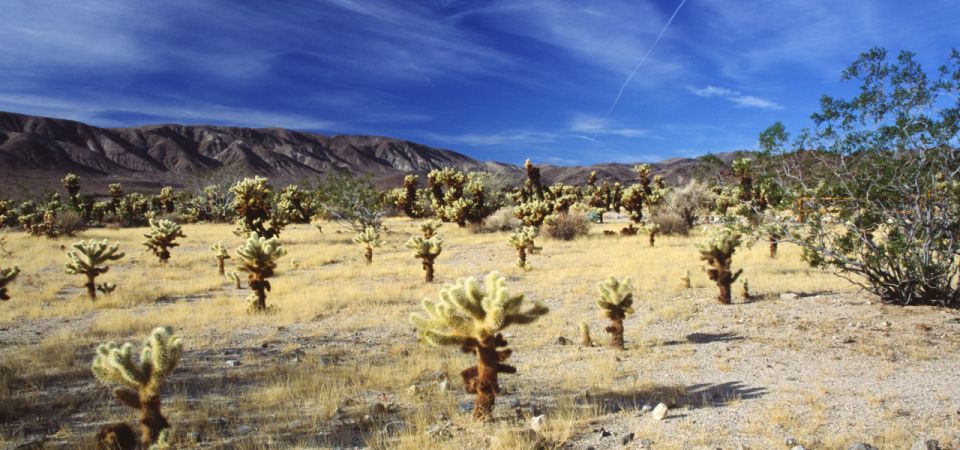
{"points": [[152, 421], [91, 286], [653, 239], [258, 286], [368, 254], [724, 297], [616, 333], [522, 254], [773, 247], [485, 384], [428, 270], [220, 266]]}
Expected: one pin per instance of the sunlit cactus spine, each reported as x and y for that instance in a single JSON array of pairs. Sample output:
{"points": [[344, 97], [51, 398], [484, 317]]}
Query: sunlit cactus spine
{"points": [[220, 253], [471, 317], [87, 258], [369, 239], [7, 275], [161, 238], [235, 277], [718, 251], [523, 240], [138, 382], [430, 227], [616, 301], [258, 258], [427, 251]]}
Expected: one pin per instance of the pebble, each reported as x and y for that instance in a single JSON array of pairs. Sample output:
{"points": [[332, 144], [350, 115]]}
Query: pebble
{"points": [[626, 439], [563, 341], [232, 363], [465, 407], [646, 409], [443, 386], [537, 423], [798, 447], [862, 446], [660, 412], [789, 296], [929, 444]]}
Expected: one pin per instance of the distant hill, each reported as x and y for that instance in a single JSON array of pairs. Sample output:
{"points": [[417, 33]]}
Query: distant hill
{"points": [[35, 152]]}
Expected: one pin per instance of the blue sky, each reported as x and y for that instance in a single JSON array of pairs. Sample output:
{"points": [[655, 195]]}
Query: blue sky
{"points": [[502, 80]]}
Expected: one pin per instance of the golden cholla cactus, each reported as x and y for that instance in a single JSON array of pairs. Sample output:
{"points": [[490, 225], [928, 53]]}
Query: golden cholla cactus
{"points": [[138, 382], [369, 238], [652, 230], [533, 213], [430, 227], [6, 276], [585, 335], [522, 239], [427, 250], [258, 258], [718, 251], [87, 258], [616, 301], [471, 316], [220, 253], [252, 204], [161, 238]]}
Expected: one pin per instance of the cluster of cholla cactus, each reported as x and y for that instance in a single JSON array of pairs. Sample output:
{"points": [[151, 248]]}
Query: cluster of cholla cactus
{"points": [[430, 227], [409, 198], [161, 238], [460, 197], [137, 384], [369, 238], [7, 274], [295, 205], [87, 258], [220, 253], [427, 250], [718, 251], [616, 302], [258, 258], [472, 317], [252, 204], [523, 240]]}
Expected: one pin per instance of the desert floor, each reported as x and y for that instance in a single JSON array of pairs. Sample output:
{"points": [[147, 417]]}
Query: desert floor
{"points": [[338, 364]]}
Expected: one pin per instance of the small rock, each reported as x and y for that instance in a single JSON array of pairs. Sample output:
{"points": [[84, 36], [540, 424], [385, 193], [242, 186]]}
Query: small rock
{"points": [[862, 446], [413, 389], [929, 444], [789, 296], [646, 409], [465, 407], [563, 341], [443, 386], [626, 439], [848, 340], [645, 444], [798, 447], [660, 412], [244, 430], [537, 423], [604, 433], [218, 421], [791, 442], [194, 436], [232, 363]]}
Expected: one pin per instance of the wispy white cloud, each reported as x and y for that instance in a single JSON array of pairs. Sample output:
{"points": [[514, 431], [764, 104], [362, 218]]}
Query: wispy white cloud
{"points": [[502, 138], [736, 97], [589, 127]]}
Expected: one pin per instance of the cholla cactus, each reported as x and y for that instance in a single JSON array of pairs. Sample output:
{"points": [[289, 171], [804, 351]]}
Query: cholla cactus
{"points": [[427, 250], [161, 238], [233, 276], [616, 301], [522, 240], [532, 213], [471, 317], [718, 251], [220, 252], [430, 227], [585, 335], [652, 230], [647, 193], [745, 291], [258, 257], [106, 288], [685, 281], [87, 258], [138, 382], [370, 239], [6, 276], [252, 205]]}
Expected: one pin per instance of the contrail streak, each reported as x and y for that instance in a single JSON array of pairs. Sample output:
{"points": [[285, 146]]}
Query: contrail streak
{"points": [[635, 69]]}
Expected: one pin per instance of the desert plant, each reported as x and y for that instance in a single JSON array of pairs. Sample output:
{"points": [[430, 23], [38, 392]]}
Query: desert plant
{"points": [[689, 202], [258, 258], [161, 238], [414, 202], [647, 193], [652, 229], [567, 225], [106, 288], [370, 239], [718, 251], [670, 223], [235, 277], [615, 302], [252, 204], [427, 250], [220, 253], [585, 335], [430, 227], [472, 317], [353, 201], [685, 281], [87, 258], [522, 239], [745, 291], [138, 382], [7, 275], [533, 213]]}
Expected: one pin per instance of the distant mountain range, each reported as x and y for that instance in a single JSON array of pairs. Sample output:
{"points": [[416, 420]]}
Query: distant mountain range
{"points": [[35, 152]]}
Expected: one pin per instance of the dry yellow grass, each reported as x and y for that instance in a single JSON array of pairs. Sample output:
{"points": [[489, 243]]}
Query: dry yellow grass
{"points": [[335, 365]]}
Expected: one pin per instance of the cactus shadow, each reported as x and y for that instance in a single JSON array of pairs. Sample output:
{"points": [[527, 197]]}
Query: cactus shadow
{"points": [[706, 338], [702, 395]]}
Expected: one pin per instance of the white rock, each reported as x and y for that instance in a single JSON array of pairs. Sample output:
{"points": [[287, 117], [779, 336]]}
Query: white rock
{"points": [[788, 296], [660, 412], [538, 422], [443, 385]]}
